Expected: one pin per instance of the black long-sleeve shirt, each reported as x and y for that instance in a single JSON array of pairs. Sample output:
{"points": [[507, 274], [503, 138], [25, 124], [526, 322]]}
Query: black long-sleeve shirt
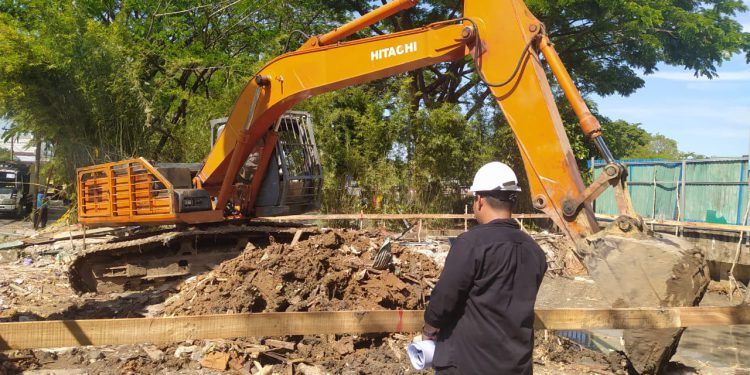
{"points": [[484, 300]]}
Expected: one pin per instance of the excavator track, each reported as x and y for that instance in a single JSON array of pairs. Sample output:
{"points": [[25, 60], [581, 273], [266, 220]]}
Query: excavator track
{"points": [[142, 260]]}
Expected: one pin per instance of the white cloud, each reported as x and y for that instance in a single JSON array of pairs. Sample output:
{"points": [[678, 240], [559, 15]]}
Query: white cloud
{"points": [[742, 75], [746, 27]]}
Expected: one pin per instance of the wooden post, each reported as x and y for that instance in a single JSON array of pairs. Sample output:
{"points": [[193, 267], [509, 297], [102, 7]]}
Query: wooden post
{"points": [[653, 206], [682, 198], [35, 180], [419, 231], [747, 192], [466, 222], [679, 210]]}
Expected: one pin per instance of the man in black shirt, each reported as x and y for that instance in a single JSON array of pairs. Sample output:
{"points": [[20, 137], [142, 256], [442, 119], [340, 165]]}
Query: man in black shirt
{"points": [[481, 312]]}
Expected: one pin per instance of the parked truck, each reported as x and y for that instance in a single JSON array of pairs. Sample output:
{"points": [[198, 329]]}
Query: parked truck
{"points": [[15, 198]]}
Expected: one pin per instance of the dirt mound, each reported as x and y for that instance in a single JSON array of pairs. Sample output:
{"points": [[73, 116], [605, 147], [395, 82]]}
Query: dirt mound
{"points": [[330, 271], [327, 272]]}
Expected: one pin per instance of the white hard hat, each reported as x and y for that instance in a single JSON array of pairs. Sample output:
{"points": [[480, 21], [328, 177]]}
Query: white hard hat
{"points": [[495, 176]]}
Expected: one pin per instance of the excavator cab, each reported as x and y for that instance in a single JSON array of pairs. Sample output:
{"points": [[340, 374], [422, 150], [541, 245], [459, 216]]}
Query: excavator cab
{"points": [[293, 181]]}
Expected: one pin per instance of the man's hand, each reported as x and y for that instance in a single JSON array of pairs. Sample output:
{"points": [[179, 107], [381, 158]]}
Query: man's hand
{"points": [[429, 332]]}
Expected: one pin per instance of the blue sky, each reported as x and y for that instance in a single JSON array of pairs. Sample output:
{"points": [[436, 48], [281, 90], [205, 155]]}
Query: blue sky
{"points": [[708, 117]]}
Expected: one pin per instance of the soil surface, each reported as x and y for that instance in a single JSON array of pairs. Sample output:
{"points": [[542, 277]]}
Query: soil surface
{"points": [[327, 272]]}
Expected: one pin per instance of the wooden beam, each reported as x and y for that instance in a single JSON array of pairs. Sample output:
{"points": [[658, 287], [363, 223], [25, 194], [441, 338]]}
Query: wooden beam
{"points": [[687, 224], [684, 224], [46, 334], [66, 333], [389, 217]]}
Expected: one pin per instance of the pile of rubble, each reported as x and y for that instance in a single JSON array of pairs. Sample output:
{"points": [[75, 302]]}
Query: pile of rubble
{"points": [[382, 354], [329, 271]]}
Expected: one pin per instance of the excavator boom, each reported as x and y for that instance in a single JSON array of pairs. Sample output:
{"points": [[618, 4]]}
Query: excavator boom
{"points": [[500, 35], [504, 39]]}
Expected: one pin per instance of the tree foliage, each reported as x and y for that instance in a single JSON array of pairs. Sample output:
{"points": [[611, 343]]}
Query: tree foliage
{"points": [[657, 147], [106, 80], [5, 154]]}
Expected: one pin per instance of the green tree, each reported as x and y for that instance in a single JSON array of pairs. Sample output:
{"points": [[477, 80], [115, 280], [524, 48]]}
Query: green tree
{"points": [[623, 138], [658, 147], [354, 140], [691, 155], [5, 154], [104, 81]]}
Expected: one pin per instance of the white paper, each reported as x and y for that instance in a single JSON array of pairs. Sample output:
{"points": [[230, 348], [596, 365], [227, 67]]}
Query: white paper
{"points": [[420, 354]]}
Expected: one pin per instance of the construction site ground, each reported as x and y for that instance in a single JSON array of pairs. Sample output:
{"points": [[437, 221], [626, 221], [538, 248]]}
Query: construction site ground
{"points": [[329, 271]]}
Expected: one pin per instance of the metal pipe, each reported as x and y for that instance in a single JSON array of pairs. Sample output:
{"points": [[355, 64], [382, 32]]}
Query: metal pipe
{"points": [[603, 149], [364, 21], [589, 123]]}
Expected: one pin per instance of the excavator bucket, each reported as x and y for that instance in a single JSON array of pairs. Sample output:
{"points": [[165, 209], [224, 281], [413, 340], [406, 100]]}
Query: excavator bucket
{"points": [[634, 267]]}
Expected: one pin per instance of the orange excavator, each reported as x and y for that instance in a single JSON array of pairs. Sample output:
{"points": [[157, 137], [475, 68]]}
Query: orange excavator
{"points": [[265, 162]]}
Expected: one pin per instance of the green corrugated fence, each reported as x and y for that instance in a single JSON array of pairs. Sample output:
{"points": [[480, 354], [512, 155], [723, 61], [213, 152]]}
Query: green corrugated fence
{"points": [[698, 190]]}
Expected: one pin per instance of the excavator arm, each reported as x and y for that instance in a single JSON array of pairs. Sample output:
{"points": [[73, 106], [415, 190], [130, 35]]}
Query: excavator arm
{"points": [[503, 37]]}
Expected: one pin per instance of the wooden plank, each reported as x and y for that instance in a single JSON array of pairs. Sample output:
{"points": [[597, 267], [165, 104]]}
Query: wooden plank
{"points": [[173, 329], [78, 233], [687, 224], [390, 217], [45, 334], [584, 319], [12, 244], [279, 344]]}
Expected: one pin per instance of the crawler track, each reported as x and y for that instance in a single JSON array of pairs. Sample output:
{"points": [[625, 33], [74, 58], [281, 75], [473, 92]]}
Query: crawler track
{"points": [[145, 259]]}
